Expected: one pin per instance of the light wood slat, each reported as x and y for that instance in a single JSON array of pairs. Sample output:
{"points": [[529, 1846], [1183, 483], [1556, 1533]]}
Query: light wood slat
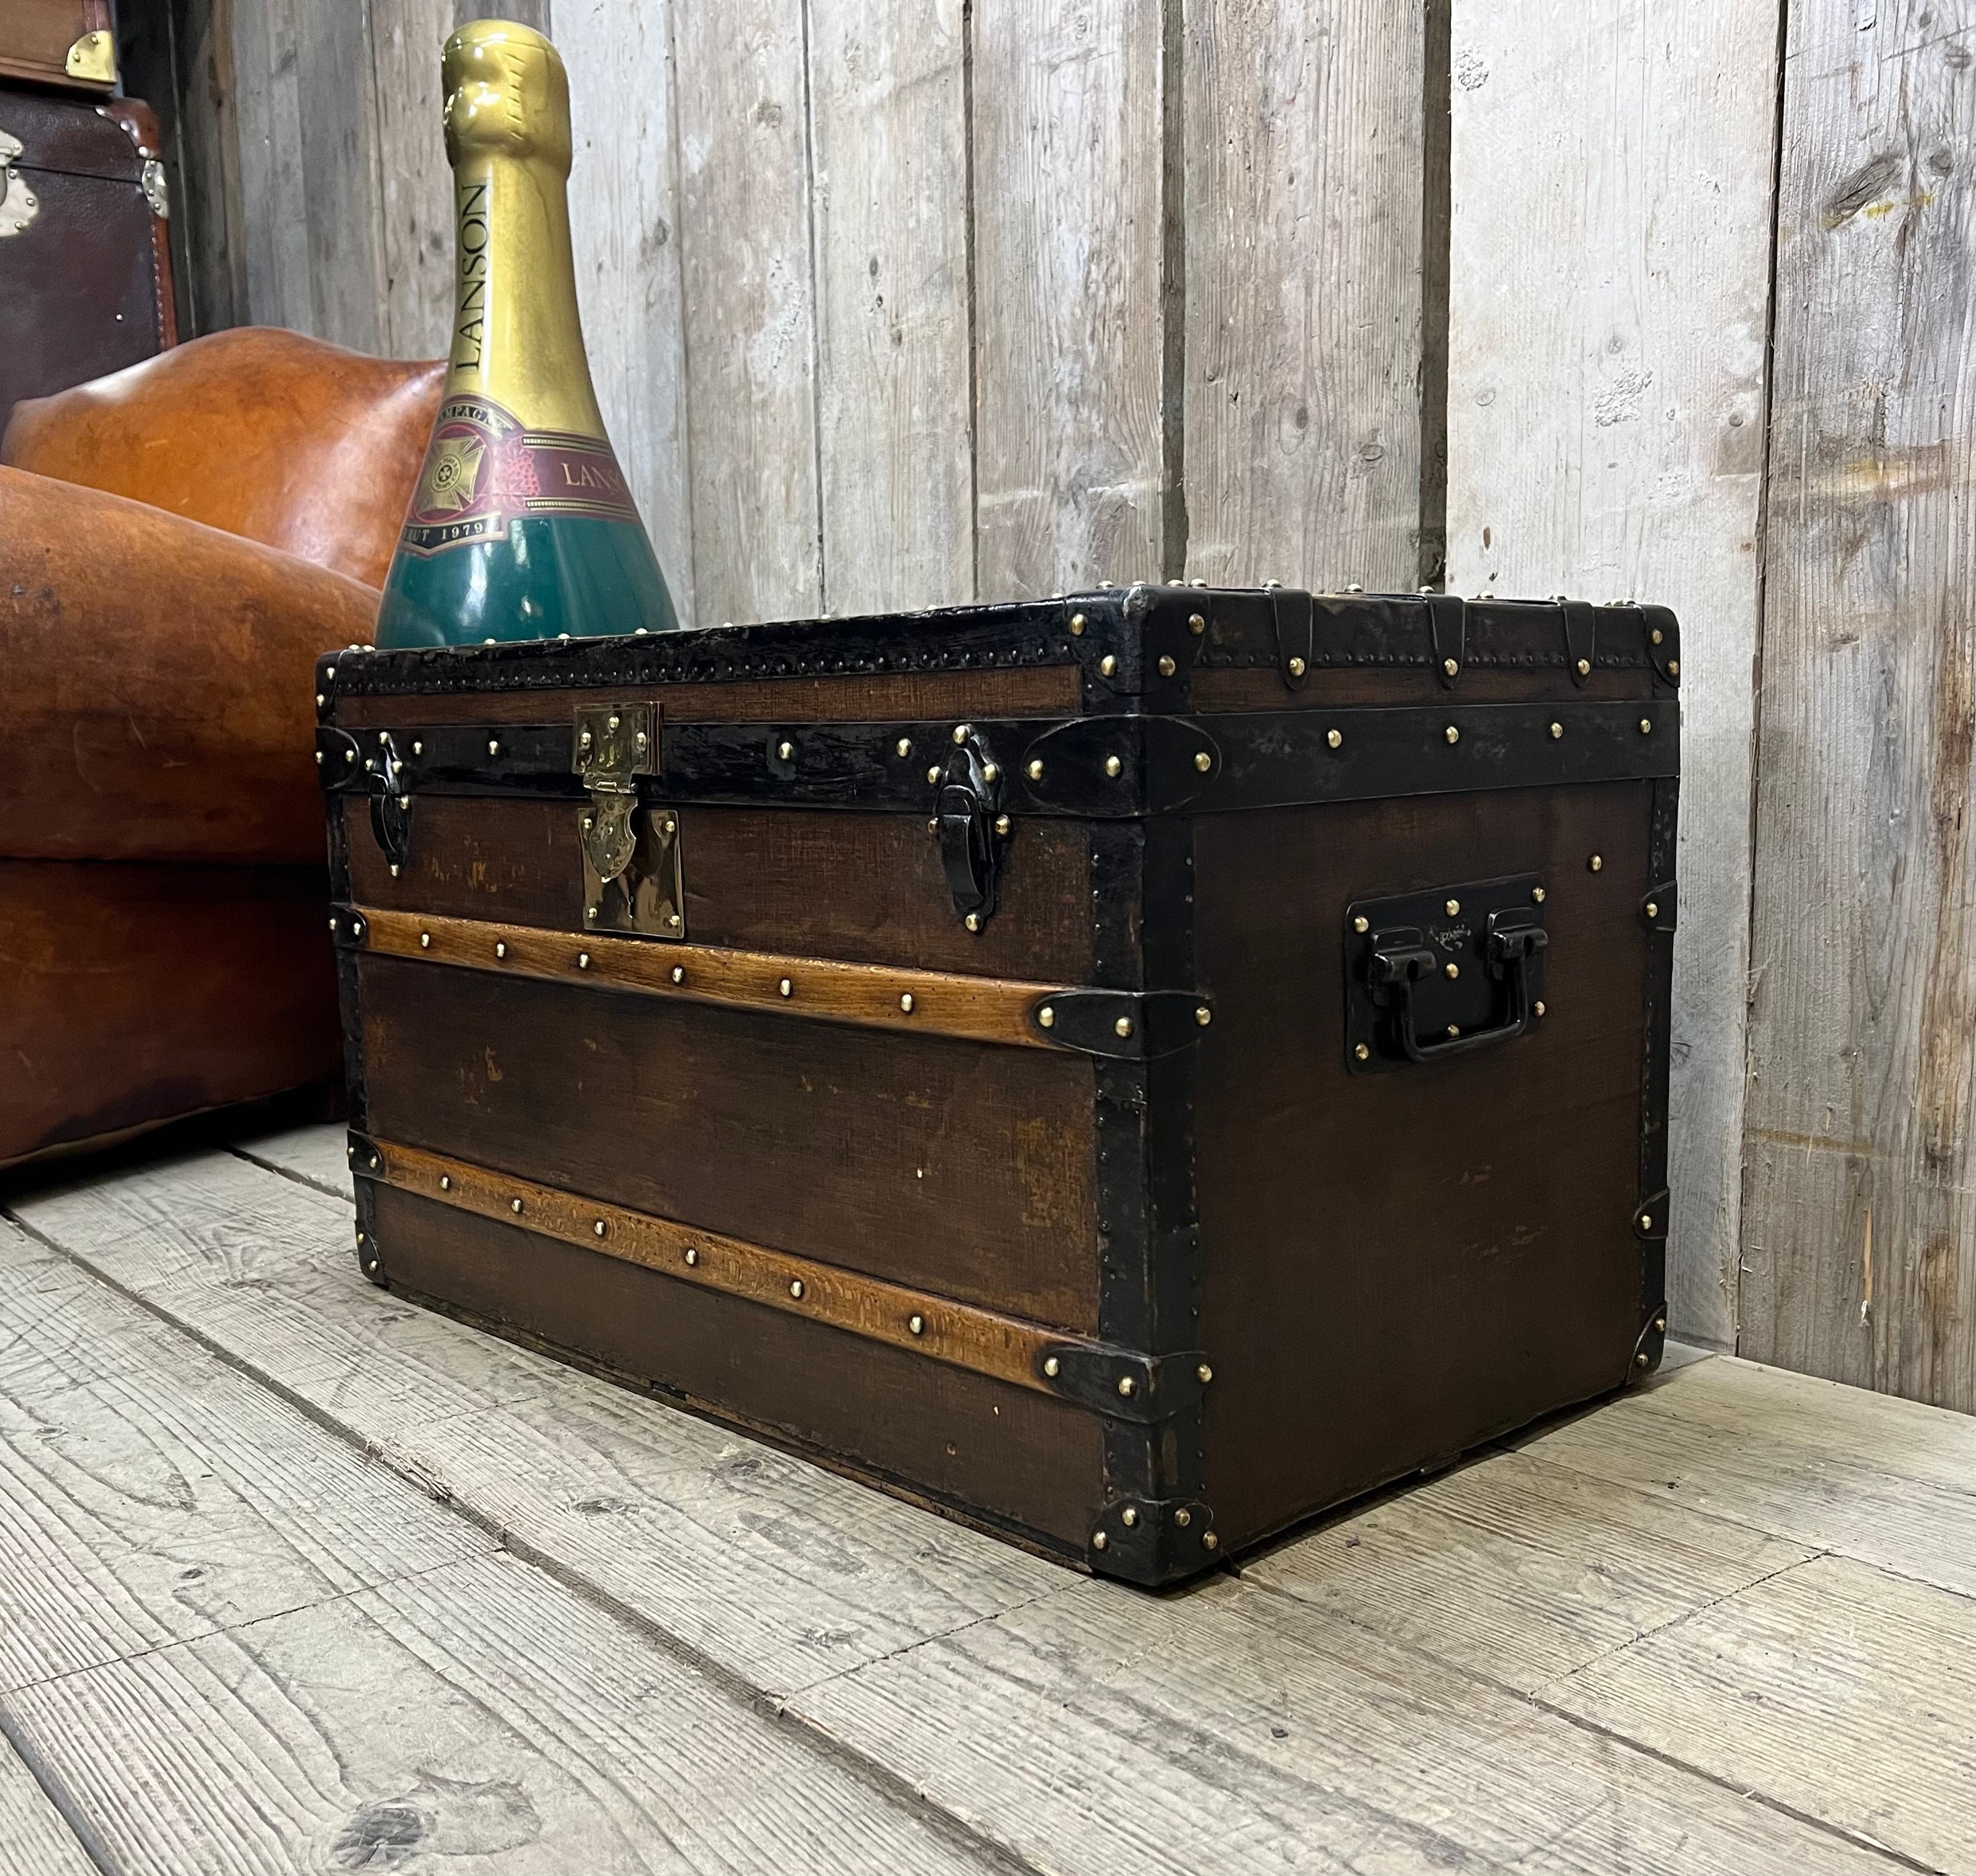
{"points": [[318, 1155], [1844, 1692], [275, 256], [416, 211], [1237, 1729], [1859, 1231], [980, 1341], [1302, 213], [480, 1714], [979, 1009], [1547, 1568], [750, 305], [624, 227], [1069, 279], [887, 97], [149, 1493], [1606, 436], [778, 1570], [1886, 1481], [34, 1840]]}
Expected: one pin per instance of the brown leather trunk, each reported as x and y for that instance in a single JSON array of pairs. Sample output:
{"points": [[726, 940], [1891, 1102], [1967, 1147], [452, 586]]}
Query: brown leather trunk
{"points": [[1130, 1072]]}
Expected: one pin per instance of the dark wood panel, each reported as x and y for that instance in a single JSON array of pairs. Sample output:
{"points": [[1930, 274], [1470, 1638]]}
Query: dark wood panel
{"points": [[1400, 1264], [1253, 688], [962, 1167], [865, 888], [1004, 1452], [881, 697]]}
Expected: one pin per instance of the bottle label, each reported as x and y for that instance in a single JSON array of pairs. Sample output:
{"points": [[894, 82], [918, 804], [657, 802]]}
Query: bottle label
{"points": [[484, 471]]}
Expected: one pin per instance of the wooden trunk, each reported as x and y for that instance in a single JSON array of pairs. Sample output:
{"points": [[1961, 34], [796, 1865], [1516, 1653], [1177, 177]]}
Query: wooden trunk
{"points": [[1129, 1071]]}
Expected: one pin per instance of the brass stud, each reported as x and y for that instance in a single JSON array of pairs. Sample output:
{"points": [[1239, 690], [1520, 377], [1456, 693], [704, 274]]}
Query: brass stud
{"points": [[691, 1255], [318, 759], [905, 1003], [1355, 587], [1597, 862], [1363, 1053], [418, 749], [1584, 667], [786, 987], [1454, 1029], [1107, 665], [493, 746], [796, 1288], [1660, 1325], [1454, 906], [932, 774], [1113, 766], [515, 1205], [1453, 969], [1128, 1387], [678, 973], [1129, 1516], [1537, 895], [917, 1324], [613, 723], [1203, 760], [642, 740], [1361, 924], [583, 741], [989, 773], [1167, 666], [1077, 624], [1204, 1374], [1646, 726], [350, 755], [1046, 1016], [590, 913], [973, 921], [1655, 634], [785, 750], [357, 927], [1557, 731], [1036, 770], [1452, 733], [1098, 1540], [445, 1181], [1640, 1360], [962, 731], [672, 827], [1001, 824], [1183, 1518], [1124, 1026], [1674, 668], [600, 1228], [1209, 1541], [1646, 1221], [320, 700], [1196, 623], [1653, 910], [1334, 739], [1203, 1014], [1297, 667], [500, 949], [583, 960], [904, 745], [1051, 1367], [425, 941], [674, 920], [1538, 1006], [1449, 666]]}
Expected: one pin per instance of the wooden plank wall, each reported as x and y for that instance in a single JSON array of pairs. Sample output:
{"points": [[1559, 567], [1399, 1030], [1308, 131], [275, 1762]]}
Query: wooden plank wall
{"points": [[895, 302]]}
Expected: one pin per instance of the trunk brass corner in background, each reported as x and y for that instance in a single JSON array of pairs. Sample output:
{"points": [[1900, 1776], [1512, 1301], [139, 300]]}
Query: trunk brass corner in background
{"points": [[93, 59]]}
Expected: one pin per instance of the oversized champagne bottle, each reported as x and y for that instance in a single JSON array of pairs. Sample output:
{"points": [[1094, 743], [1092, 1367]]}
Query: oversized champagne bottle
{"points": [[521, 526]]}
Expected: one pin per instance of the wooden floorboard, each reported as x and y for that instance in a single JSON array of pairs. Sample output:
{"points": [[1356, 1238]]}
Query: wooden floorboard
{"points": [[317, 1155], [1677, 1632], [34, 1840]]}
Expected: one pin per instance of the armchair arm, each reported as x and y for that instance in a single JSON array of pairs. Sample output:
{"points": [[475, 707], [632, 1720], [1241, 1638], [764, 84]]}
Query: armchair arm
{"points": [[156, 683]]}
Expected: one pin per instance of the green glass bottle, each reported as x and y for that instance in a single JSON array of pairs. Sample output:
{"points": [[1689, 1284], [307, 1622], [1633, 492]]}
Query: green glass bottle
{"points": [[521, 526]]}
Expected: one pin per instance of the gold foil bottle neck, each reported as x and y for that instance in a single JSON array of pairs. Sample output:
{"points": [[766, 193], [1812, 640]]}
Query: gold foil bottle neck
{"points": [[506, 95]]}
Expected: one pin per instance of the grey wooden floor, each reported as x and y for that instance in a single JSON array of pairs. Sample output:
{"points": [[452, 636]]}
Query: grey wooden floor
{"points": [[295, 1576]]}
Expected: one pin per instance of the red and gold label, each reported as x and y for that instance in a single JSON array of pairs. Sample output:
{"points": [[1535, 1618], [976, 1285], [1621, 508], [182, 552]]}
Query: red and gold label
{"points": [[483, 471]]}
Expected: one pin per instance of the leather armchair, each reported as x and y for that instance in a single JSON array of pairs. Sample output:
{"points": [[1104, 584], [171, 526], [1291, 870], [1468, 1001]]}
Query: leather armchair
{"points": [[178, 543]]}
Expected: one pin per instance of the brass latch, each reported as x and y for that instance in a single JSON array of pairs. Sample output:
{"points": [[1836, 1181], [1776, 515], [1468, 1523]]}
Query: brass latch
{"points": [[631, 877], [18, 203]]}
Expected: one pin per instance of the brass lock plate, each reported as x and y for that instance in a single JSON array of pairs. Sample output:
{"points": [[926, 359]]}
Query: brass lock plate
{"points": [[646, 897]]}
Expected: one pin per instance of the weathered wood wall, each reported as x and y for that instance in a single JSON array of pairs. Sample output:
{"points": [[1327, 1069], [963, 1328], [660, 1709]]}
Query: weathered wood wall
{"points": [[893, 302]]}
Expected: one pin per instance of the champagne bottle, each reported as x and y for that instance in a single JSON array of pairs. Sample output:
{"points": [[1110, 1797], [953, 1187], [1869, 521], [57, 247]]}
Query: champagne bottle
{"points": [[521, 525]]}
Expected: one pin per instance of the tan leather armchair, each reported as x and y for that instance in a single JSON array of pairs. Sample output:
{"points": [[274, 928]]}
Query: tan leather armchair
{"points": [[178, 543]]}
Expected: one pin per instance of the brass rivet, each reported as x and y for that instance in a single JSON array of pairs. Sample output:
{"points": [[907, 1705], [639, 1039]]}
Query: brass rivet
{"points": [[962, 731], [1077, 624], [1538, 1006], [515, 1204], [691, 1255], [600, 1228], [678, 973], [1453, 969], [1203, 1015], [905, 746], [319, 699], [1584, 667], [785, 750], [1454, 1029], [493, 746], [1047, 1017], [613, 723], [1452, 733], [590, 913], [418, 749], [1183, 1518], [1107, 665], [1203, 760], [425, 941], [1036, 770], [1099, 1540], [1128, 1386], [1449, 665], [672, 919], [1557, 731], [1537, 895], [589, 821], [1204, 1374], [1209, 1542], [318, 759], [1196, 623], [1051, 1367], [500, 950], [1002, 823], [1113, 766], [917, 1324], [583, 741], [1129, 1516], [973, 921], [1674, 668], [583, 960], [1361, 924], [350, 755], [1653, 910], [672, 827], [1124, 1026], [1646, 726], [642, 740], [1454, 906], [1296, 668], [1646, 1221], [1655, 634], [1640, 1360], [796, 1287], [989, 773], [1334, 739], [1660, 1325], [1363, 1053], [1167, 667], [357, 927], [932, 774], [1597, 862], [445, 1181], [786, 987]]}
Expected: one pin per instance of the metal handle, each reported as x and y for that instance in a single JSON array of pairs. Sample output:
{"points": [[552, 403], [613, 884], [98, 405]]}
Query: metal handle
{"points": [[1510, 952]]}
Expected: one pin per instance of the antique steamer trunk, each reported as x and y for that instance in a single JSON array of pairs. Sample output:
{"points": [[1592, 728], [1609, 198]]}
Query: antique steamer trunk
{"points": [[1129, 1071]]}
